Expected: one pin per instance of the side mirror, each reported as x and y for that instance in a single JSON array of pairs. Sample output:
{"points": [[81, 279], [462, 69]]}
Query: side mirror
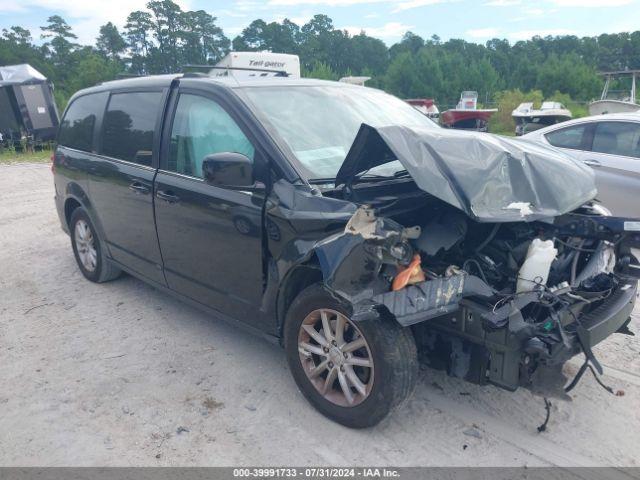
{"points": [[228, 169]]}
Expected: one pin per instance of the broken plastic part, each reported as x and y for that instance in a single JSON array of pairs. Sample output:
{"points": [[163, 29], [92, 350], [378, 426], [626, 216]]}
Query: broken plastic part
{"points": [[302, 204], [409, 275], [523, 207], [364, 222], [602, 261], [430, 299]]}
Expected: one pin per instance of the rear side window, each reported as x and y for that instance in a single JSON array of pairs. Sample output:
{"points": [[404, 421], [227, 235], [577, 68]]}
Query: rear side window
{"points": [[571, 137], [617, 138], [76, 129], [129, 125]]}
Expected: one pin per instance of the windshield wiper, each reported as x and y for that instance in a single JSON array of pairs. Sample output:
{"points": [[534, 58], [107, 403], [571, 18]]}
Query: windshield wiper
{"points": [[364, 177], [375, 176], [401, 174]]}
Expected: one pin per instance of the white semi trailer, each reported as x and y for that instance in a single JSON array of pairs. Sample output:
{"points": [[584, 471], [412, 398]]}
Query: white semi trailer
{"points": [[245, 65]]}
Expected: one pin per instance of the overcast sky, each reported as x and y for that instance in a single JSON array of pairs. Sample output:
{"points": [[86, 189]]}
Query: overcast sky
{"points": [[474, 20]]}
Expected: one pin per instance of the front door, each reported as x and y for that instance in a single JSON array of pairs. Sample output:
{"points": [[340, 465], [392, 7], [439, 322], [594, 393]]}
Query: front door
{"points": [[210, 237]]}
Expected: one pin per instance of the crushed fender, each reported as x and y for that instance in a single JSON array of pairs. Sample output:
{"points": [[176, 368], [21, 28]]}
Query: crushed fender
{"points": [[354, 261]]}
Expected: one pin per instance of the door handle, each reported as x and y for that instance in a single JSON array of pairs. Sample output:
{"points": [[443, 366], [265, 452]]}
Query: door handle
{"points": [[593, 163], [167, 196], [139, 188]]}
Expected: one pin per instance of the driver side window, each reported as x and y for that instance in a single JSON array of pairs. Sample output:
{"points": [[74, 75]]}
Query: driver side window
{"points": [[201, 127]]}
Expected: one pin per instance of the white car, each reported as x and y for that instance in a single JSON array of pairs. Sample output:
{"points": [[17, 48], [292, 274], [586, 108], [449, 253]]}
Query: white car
{"points": [[610, 144]]}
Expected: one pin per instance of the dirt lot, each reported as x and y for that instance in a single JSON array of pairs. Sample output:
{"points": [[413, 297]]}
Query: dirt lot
{"points": [[121, 374]]}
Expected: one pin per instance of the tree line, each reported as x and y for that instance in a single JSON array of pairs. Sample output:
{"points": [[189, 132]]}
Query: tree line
{"points": [[164, 38]]}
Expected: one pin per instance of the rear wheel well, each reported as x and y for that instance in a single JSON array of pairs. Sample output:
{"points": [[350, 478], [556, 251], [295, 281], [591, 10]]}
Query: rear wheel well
{"points": [[69, 206], [300, 278]]}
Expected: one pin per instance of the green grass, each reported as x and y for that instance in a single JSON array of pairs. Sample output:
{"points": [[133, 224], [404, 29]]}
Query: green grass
{"points": [[7, 157], [506, 133]]}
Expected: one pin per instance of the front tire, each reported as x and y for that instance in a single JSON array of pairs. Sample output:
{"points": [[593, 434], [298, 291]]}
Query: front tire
{"points": [[355, 374], [87, 248]]}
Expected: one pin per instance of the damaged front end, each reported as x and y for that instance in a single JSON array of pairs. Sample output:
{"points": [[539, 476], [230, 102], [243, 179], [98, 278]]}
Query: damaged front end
{"points": [[501, 280], [462, 289]]}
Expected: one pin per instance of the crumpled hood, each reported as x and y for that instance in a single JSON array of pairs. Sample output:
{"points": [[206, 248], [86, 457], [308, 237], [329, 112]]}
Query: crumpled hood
{"points": [[489, 177]]}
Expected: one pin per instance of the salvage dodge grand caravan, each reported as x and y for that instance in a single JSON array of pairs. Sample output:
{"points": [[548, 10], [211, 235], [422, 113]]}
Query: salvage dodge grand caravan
{"points": [[344, 223]]}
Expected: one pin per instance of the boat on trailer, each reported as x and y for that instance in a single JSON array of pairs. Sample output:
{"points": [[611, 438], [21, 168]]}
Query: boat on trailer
{"points": [[467, 115], [529, 119], [613, 101]]}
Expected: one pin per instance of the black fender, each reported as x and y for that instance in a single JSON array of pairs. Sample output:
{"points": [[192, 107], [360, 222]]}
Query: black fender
{"points": [[287, 276]]}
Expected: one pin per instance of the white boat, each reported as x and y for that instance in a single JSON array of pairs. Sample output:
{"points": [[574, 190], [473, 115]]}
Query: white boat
{"points": [[355, 80], [529, 119], [616, 101]]}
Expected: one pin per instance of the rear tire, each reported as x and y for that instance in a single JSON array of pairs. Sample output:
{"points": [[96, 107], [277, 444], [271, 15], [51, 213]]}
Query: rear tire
{"points": [[88, 249], [377, 389]]}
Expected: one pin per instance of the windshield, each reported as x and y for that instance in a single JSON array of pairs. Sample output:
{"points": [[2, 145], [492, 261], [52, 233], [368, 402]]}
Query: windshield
{"points": [[319, 123]]}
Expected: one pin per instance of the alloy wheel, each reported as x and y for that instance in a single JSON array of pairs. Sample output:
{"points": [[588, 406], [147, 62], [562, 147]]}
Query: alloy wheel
{"points": [[85, 245], [335, 357]]}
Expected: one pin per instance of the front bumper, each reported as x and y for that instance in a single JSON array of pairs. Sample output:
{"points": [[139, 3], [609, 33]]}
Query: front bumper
{"points": [[609, 317], [515, 355], [548, 379]]}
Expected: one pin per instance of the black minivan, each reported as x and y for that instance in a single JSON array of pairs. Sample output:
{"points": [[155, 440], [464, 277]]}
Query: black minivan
{"points": [[347, 225]]}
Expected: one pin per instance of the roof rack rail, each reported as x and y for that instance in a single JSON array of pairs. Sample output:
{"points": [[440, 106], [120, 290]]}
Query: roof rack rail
{"points": [[197, 66], [279, 73], [194, 75]]}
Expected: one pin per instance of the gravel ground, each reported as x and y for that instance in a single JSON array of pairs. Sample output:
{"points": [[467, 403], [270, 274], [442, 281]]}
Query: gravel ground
{"points": [[120, 374]]}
